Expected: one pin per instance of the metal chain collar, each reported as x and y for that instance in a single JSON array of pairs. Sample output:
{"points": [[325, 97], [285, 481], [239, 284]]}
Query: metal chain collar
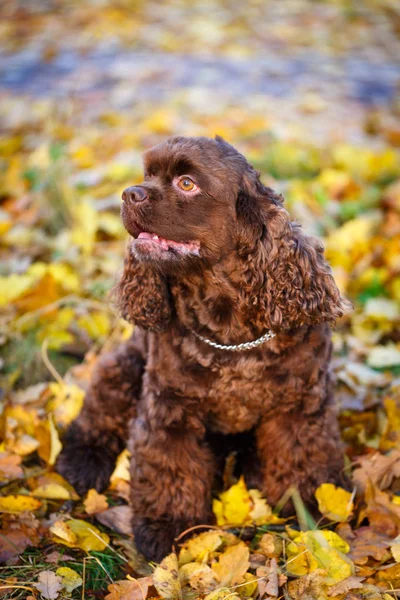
{"points": [[237, 347]]}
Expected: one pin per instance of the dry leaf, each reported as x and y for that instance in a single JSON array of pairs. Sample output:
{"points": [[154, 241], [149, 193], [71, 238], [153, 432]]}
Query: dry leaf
{"points": [[49, 585], [232, 564], [129, 589], [95, 502], [378, 469], [10, 466], [117, 518], [198, 547], [166, 578], [351, 583]]}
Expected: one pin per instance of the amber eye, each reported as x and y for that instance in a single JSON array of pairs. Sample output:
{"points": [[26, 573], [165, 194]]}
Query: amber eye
{"points": [[186, 184]]}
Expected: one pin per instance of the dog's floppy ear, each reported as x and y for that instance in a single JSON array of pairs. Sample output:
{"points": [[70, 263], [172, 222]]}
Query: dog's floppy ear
{"points": [[143, 296], [299, 286], [288, 281], [252, 206]]}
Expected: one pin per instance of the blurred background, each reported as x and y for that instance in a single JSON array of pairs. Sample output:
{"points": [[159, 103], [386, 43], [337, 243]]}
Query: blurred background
{"points": [[307, 90]]}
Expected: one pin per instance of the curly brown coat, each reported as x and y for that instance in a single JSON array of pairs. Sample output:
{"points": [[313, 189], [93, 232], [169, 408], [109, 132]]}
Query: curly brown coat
{"points": [[214, 254]]}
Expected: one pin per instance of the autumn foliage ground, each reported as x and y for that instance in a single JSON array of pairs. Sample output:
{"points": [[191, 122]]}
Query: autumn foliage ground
{"points": [[68, 150]]}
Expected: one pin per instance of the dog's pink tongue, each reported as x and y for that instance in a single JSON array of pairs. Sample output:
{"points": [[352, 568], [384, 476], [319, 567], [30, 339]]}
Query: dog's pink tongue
{"points": [[144, 235]]}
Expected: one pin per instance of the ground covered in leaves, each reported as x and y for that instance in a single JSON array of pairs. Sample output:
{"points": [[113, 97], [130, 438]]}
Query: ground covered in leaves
{"points": [[86, 87]]}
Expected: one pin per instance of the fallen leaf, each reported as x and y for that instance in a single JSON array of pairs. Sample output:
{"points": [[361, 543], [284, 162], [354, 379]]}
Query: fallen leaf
{"points": [[95, 502], [221, 593], [351, 583], [49, 585], [117, 518], [129, 589], [70, 579], [232, 564], [234, 505], [18, 503], [166, 578], [334, 503], [315, 550], [309, 587], [10, 467], [49, 441], [76, 533], [18, 533], [378, 470], [382, 514], [54, 487], [199, 547], [65, 403], [199, 576]]}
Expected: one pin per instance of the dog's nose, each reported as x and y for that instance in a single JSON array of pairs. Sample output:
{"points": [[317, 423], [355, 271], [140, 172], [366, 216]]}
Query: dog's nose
{"points": [[135, 193]]}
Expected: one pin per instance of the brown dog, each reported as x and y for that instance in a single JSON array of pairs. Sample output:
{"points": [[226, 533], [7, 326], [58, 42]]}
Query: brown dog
{"points": [[232, 303]]}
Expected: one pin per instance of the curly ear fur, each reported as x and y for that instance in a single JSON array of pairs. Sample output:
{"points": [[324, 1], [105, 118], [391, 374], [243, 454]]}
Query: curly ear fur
{"points": [[291, 284], [143, 295]]}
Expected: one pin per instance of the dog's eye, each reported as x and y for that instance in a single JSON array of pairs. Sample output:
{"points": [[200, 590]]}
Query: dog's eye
{"points": [[186, 184]]}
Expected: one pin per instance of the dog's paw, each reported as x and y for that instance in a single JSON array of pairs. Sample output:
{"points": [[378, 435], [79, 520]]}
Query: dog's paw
{"points": [[85, 465], [154, 538]]}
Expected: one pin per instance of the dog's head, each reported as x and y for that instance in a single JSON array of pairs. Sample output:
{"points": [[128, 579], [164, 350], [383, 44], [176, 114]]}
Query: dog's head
{"points": [[201, 201], [184, 212]]}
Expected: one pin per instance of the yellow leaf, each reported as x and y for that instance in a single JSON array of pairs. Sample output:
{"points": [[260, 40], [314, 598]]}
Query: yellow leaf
{"points": [[18, 503], [66, 402], [96, 324], [166, 578], [248, 590], [350, 242], [234, 505], [261, 511], [86, 536], [221, 593], [312, 550], [52, 491], [232, 564], [54, 487], [335, 503], [70, 579], [121, 471], [12, 286], [238, 506], [95, 502], [63, 532], [198, 547], [49, 441], [199, 576]]}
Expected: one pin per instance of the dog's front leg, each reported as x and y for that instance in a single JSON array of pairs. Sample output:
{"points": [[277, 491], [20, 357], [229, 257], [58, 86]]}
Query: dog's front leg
{"points": [[93, 442], [300, 450], [172, 474]]}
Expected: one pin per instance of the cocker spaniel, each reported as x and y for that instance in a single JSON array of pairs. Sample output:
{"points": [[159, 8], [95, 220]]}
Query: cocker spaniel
{"points": [[232, 304]]}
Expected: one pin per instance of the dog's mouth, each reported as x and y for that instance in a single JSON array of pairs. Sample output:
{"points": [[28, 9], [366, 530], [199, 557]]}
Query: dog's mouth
{"points": [[156, 242]]}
